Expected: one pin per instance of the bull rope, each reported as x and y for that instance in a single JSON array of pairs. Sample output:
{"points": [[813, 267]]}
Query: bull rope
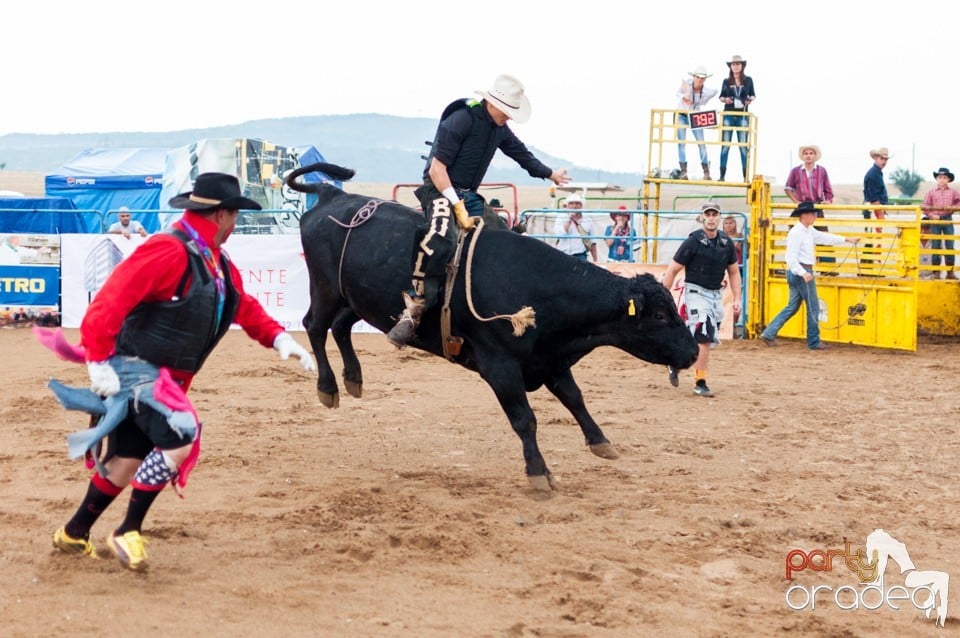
{"points": [[522, 318], [362, 216]]}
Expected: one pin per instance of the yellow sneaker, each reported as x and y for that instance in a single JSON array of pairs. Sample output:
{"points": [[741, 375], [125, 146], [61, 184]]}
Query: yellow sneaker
{"points": [[70, 545], [130, 549]]}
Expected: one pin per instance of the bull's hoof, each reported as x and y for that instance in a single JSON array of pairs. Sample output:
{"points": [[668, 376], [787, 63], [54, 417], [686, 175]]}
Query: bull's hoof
{"points": [[605, 450], [353, 389], [329, 400], [543, 483]]}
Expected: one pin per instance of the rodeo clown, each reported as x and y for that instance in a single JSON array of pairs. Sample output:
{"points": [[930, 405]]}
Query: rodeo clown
{"points": [[705, 256], [158, 316]]}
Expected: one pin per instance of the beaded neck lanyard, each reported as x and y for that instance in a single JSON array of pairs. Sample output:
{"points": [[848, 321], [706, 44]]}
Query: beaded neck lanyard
{"points": [[213, 265]]}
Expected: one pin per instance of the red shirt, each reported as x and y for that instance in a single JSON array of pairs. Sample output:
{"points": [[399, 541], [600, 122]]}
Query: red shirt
{"points": [[939, 199], [151, 274]]}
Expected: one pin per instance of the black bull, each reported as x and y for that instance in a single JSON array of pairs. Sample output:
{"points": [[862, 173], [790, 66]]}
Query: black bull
{"points": [[360, 272]]}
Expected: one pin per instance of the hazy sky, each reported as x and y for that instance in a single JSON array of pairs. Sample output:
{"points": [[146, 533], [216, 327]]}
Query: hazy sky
{"points": [[849, 76]]}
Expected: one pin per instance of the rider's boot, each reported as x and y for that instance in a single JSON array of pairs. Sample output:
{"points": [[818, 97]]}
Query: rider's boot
{"points": [[401, 333]]}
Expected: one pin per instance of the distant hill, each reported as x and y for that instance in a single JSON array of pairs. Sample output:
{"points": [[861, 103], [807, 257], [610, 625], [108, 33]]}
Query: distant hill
{"points": [[381, 148]]}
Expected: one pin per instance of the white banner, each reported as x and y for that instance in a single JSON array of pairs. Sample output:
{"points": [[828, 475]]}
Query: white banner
{"points": [[272, 268]]}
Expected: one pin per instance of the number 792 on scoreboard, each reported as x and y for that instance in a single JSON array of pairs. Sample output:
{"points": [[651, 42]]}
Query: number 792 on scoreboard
{"points": [[703, 119]]}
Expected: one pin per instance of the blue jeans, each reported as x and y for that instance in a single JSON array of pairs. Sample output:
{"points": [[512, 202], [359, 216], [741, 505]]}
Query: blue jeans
{"points": [[742, 136], [683, 122], [800, 292], [947, 244]]}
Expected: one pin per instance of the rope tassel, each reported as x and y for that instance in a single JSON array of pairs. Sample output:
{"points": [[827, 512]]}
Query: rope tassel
{"points": [[523, 318]]}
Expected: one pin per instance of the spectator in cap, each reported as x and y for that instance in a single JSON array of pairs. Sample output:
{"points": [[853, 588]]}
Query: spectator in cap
{"points": [[619, 236], [574, 230], [801, 241], [126, 226], [938, 205], [737, 94], [693, 94], [706, 256]]}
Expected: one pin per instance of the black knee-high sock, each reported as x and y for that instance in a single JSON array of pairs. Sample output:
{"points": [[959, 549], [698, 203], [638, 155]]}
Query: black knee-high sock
{"points": [[93, 505], [140, 502]]}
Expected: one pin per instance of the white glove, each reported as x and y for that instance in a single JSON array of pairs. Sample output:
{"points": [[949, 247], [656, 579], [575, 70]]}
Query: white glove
{"points": [[286, 346], [103, 379]]}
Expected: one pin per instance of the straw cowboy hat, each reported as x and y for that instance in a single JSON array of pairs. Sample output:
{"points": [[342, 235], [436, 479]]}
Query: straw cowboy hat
{"points": [[507, 95], [699, 72], [943, 171], [880, 152], [812, 147], [212, 191], [737, 58]]}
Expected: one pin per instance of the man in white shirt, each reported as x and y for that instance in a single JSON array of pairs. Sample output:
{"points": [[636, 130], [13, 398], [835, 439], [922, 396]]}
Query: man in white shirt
{"points": [[803, 288], [126, 226], [574, 230]]}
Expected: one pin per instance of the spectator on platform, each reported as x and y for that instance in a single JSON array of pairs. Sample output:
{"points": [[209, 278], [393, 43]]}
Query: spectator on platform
{"points": [[737, 94], [809, 182], [874, 188], [693, 95], [938, 205]]}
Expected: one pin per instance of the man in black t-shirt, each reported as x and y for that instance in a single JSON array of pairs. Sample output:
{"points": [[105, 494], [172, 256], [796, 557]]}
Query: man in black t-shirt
{"points": [[705, 256]]}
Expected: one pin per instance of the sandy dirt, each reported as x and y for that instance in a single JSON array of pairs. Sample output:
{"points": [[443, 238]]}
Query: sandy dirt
{"points": [[406, 512]]}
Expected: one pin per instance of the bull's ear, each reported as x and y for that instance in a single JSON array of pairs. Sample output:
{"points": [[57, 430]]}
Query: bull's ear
{"points": [[634, 305]]}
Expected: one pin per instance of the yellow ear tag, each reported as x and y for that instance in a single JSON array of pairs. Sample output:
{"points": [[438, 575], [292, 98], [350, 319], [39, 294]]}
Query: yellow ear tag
{"points": [[631, 309]]}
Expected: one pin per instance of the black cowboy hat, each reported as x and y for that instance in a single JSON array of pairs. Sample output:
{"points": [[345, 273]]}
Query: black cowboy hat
{"points": [[212, 191], [805, 207], [943, 171]]}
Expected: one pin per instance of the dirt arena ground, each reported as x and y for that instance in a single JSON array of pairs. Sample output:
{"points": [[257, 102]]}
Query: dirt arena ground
{"points": [[406, 512]]}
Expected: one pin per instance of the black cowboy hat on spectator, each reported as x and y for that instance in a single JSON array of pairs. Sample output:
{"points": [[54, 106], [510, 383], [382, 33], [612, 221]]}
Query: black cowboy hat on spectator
{"points": [[943, 171], [212, 191], [805, 207]]}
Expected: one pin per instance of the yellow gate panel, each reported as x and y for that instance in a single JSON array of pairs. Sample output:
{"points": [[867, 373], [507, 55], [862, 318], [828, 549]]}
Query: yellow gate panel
{"points": [[939, 303]]}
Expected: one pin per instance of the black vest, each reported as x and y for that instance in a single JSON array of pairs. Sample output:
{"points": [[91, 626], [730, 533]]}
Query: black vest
{"points": [[181, 333], [479, 146], [709, 265]]}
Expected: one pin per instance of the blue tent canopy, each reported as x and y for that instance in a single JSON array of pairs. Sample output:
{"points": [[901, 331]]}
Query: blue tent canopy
{"points": [[40, 215], [105, 179]]}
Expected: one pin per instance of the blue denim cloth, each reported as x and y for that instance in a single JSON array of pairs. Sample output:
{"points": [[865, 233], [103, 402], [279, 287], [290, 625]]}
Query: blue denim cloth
{"points": [[938, 244], [137, 378], [683, 122], [800, 292], [742, 136], [473, 203]]}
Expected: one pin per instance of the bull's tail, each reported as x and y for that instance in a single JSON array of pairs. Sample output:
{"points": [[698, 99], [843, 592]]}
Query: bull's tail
{"points": [[332, 170]]}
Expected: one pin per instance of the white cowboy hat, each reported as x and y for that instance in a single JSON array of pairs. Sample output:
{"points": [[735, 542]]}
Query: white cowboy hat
{"points": [[700, 72], [812, 147], [507, 95]]}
